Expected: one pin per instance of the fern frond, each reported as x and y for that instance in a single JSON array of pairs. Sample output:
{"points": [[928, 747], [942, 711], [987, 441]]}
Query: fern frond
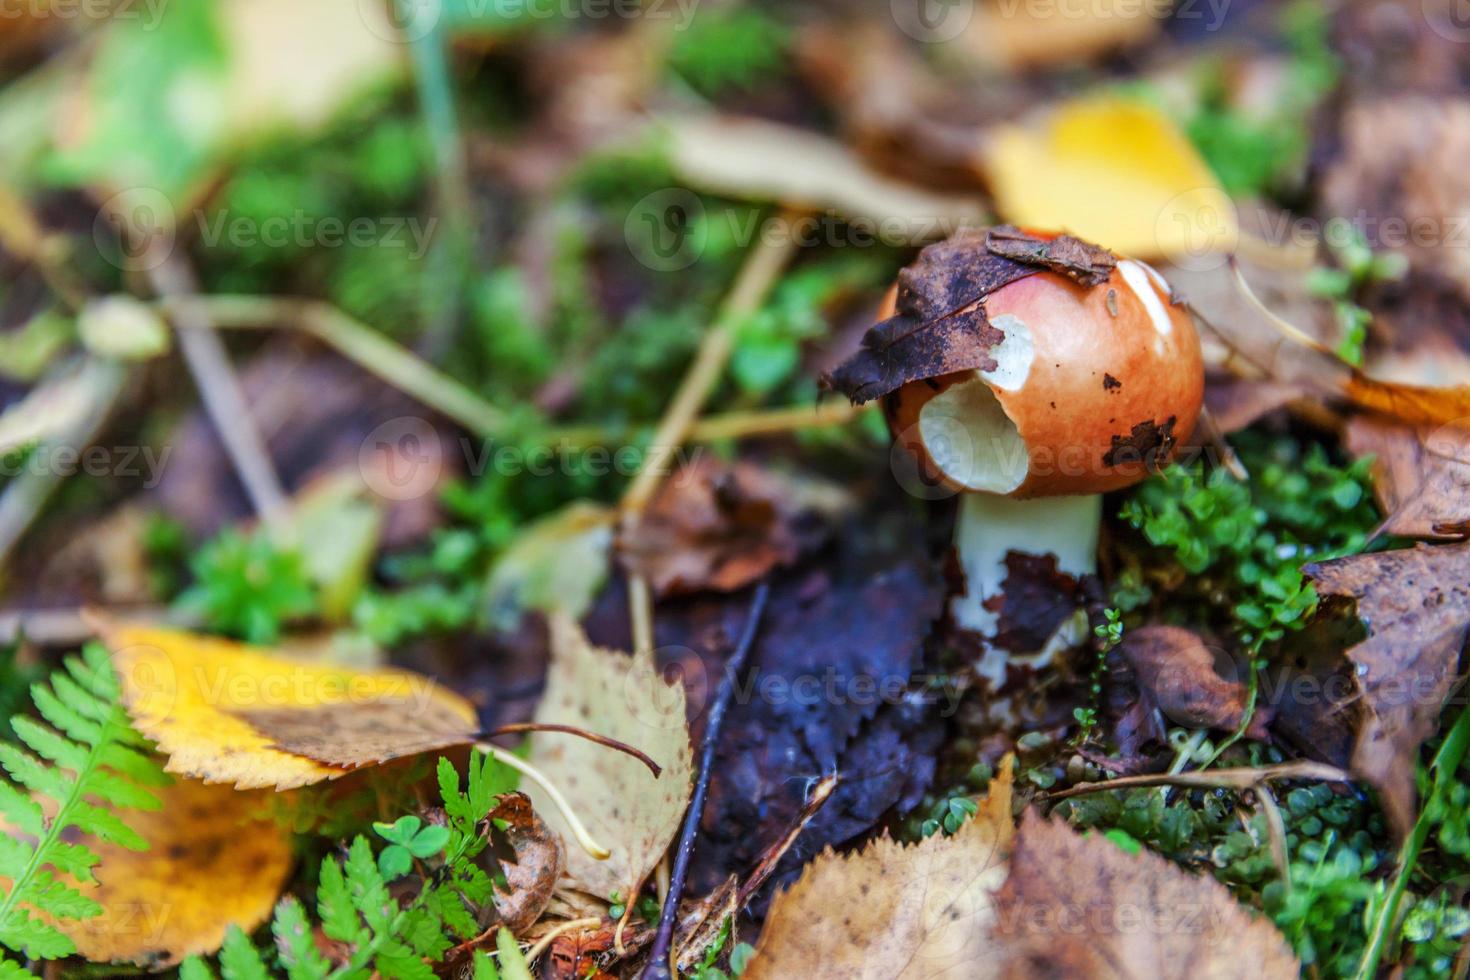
{"points": [[10, 970], [295, 943], [84, 756], [238, 960]]}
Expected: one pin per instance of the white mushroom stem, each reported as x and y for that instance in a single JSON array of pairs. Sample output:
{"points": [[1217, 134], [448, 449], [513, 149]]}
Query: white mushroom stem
{"points": [[989, 527]]}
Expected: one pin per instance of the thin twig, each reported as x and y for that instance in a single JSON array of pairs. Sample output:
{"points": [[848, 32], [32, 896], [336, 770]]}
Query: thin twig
{"points": [[1244, 777], [574, 822], [659, 967], [359, 343], [220, 391], [611, 743], [756, 277], [767, 864], [1276, 829], [750, 424]]}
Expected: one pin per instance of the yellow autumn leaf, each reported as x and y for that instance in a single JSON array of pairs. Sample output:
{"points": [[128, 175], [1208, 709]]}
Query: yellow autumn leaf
{"points": [[226, 712], [212, 862], [1117, 173]]}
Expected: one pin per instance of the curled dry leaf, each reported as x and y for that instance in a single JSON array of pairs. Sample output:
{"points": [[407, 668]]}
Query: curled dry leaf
{"points": [[719, 528], [751, 159], [532, 876], [1416, 606], [940, 325], [892, 911], [1421, 475], [1179, 675], [625, 807], [227, 712], [210, 863], [1080, 906], [1117, 173]]}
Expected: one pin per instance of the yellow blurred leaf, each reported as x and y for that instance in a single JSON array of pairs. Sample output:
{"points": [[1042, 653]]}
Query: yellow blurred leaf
{"points": [[1117, 173], [226, 712], [211, 863], [625, 807]]}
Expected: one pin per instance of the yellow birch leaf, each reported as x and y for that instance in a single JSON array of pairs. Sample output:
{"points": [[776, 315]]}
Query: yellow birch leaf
{"points": [[211, 863], [226, 712], [625, 807], [1117, 173], [891, 911]]}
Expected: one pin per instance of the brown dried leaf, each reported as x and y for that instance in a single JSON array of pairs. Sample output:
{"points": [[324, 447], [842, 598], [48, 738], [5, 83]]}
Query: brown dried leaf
{"points": [[1422, 476], [1079, 261], [539, 861], [1416, 606], [1236, 403], [1034, 601], [719, 528], [1080, 906], [625, 807], [226, 712], [1178, 673], [940, 326], [892, 911]]}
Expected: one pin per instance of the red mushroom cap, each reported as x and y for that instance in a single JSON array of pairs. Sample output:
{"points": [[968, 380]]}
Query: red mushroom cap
{"points": [[1094, 388]]}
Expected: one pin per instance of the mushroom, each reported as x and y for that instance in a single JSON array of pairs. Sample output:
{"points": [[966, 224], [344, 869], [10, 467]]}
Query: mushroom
{"points": [[1090, 377]]}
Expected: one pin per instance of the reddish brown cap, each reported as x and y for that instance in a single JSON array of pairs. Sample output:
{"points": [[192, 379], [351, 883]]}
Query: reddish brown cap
{"points": [[1094, 387]]}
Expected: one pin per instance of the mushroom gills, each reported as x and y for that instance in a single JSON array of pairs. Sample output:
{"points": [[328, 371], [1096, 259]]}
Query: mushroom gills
{"points": [[971, 440]]}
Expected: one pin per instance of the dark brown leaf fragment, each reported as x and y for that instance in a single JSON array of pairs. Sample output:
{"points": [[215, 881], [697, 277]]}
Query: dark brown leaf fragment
{"points": [[1416, 606], [1421, 475], [1179, 674], [1082, 262], [940, 326], [1149, 442], [1034, 600]]}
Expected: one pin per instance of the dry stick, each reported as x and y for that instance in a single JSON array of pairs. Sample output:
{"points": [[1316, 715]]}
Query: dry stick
{"points": [[1242, 778], [220, 390], [761, 268], [395, 364], [611, 743], [658, 967], [767, 864]]}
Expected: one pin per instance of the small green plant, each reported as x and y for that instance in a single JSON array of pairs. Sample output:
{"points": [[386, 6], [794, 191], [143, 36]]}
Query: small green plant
{"points": [[248, 587], [1357, 268], [355, 907], [90, 763], [729, 49], [1109, 634], [1241, 545]]}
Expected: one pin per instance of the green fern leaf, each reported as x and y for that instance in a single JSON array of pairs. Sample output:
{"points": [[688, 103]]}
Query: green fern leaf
{"points": [[297, 945], [10, 970], [195, 968], [238, 959], [484, 967], [86, 758], [335, 907], [365, 883]]}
